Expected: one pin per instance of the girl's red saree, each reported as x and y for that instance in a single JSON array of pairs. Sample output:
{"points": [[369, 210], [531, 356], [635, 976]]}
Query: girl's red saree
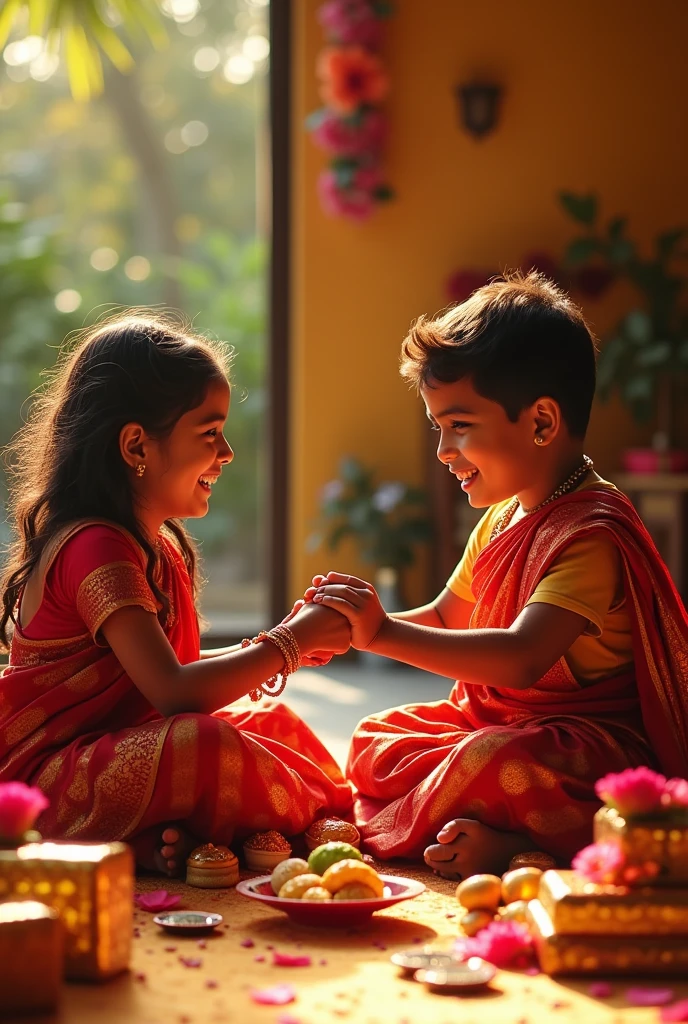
{"points": [[527, 760], [73, 723]]}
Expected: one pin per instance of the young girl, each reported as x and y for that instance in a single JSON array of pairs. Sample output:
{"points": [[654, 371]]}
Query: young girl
{"points": [[561, 621], [107, 704]]}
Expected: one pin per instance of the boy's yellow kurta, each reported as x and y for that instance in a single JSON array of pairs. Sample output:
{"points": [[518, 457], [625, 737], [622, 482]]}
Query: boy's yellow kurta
{"points": [[527, 760]]}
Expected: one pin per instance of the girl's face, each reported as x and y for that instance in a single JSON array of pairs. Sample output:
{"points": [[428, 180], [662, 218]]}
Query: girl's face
{"points": [[493, 458], [182, 468]]}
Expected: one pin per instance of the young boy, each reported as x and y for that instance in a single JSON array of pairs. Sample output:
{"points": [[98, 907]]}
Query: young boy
{"points": [[568, 637]]}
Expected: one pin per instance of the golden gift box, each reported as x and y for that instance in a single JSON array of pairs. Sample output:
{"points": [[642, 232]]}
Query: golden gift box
{"points": [[578, 907], [660, 840], [91, 886], [665, 955], [31, 957]]}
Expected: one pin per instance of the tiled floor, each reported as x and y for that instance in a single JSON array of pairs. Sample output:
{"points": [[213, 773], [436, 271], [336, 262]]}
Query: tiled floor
{"points": [[334, 699]]}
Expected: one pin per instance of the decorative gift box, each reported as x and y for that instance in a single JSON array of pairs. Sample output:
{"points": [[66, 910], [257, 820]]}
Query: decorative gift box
{"points": [[31, 958], [91, 886], [578, 907], [606, 954], [660, 840]]}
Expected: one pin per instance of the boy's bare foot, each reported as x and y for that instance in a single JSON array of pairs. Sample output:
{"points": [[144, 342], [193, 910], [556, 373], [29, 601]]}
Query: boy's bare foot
{"points": [[467, 847], [170, 858]]}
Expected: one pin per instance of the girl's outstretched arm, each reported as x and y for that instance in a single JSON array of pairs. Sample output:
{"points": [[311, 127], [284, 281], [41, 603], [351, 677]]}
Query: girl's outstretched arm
{"points": [[146, 655], [447, 611], [513, 658]]}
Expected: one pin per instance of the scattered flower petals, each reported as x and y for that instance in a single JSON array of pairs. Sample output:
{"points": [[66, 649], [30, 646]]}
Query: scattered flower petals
{"points": [[190, 961], [140, 976], [323, 963], [501, 943], [136, 933], [211, 983], [417, 940], [259, 959], [675, 1012], [153, 902], [289, 960], [649, 996], [450, 916], [202, 944], [247, 943], [600, 990], [532, 970], [287, 1018], [269, 947], [170, 949], [379, 945], [276, 995]]}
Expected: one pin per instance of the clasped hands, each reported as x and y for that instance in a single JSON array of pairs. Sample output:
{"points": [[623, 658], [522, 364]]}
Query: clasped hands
{"points": [[354, 600]]}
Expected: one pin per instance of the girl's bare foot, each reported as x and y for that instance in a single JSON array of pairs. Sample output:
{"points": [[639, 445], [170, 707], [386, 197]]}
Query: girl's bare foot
{"points": [[170, 858], [467, 847]]}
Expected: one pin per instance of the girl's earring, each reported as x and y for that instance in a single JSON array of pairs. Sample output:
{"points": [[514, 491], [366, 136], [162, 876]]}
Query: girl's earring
{"points": [[140, 469], [539, 440]]}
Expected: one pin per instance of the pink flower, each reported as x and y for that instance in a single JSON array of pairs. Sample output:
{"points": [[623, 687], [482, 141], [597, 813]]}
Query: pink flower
{"points": [[289, 960], [350, 136], [190, 961], [156, 901], [593, 282], [501, 942], [351, 77], [351, 23], [600, 862], [649, 996], [633, 792], [355, 200], [277, 995], [20, 805], [675, 793], [675, 1012], [600, 990]]}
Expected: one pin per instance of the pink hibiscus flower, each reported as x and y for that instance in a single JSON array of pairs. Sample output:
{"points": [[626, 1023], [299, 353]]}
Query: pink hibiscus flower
{"points": [[633, 792]]}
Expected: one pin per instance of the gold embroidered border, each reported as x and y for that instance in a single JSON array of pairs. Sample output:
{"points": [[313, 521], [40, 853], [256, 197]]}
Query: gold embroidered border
{"points": [[110, 587]]}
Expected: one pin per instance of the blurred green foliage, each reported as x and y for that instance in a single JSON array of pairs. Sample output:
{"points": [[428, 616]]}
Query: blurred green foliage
{"points": [[151, 195]]}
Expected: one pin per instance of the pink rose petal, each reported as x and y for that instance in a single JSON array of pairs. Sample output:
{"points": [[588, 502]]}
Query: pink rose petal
{"points": [[600, 990], [152, 902], [323, 963], [277, 995], [190, 961], [211, 983], [675, 1012], [649, 996], [259, 959], [170, 949], [288, 1018], [289, 960], [247, 943], [202, 944], [140, 976]]}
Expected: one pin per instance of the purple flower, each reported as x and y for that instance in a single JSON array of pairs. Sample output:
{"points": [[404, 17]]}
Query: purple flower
{"points": [[388, 496], [332, 490], [20, 805]]}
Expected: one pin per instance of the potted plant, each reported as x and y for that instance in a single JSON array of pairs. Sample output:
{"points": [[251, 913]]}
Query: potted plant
{"points": [[387, 520], [646, 357]]}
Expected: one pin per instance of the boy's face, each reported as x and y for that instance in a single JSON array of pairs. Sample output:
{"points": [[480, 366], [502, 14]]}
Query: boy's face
{"points": [[494, 458]]}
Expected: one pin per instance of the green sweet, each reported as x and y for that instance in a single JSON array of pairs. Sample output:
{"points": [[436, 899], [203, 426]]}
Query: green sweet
{"points": [[322, 857]]}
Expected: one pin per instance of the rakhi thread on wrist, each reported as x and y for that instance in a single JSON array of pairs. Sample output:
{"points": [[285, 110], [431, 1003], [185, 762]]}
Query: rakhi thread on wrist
{"points": [[287, 644]]}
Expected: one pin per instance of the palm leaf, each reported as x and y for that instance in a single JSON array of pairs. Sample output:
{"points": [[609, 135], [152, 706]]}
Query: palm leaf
{"points": [[79, 28]]}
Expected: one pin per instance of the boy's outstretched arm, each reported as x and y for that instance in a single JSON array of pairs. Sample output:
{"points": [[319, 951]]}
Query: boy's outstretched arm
{"points": [[447, 611], [513, 658]]}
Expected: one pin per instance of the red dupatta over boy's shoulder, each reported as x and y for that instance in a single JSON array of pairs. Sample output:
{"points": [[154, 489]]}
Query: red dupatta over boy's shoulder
{"points": [[527, 760], [74, 724]]}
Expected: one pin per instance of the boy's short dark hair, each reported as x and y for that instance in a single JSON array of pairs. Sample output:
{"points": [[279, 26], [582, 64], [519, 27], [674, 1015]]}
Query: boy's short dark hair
{"points": [[518, 339]]}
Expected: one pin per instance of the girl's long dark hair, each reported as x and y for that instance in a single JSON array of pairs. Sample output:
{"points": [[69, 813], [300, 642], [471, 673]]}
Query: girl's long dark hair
{"points": [[65, 462]]}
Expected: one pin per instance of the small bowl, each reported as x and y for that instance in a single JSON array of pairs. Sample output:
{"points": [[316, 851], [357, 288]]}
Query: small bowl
{"points": [[264, 860], [333, 913], [460, 976], [188, 922], [412, 960]]}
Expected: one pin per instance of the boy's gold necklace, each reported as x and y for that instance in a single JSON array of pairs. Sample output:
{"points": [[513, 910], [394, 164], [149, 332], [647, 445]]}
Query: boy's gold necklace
{"points": [[568, 485]]}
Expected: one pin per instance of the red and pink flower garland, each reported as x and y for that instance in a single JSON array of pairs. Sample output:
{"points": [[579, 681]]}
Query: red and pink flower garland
{"points": [[351, 128]]}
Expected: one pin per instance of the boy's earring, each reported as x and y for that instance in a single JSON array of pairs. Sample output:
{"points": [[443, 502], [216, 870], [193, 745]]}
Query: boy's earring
{"points": [[539, 440], [140, 469]]}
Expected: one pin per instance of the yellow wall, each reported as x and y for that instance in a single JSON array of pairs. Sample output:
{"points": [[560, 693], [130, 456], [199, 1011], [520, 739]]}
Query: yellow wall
{"points": [[596, 99]]}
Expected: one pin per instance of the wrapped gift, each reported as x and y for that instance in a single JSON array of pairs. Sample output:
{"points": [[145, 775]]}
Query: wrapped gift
{"points": [[91, 886], [605, 954], [578, 907], [661, 840], [31, 954]]}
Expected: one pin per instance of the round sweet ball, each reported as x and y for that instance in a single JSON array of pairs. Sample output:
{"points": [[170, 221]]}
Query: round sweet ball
{"points": [[355, 891], [346, 871], [521, 884], [323, 857], [480, 892], [285, 870], [516, 911], [475, 920], [316, 894], [298, 885]]}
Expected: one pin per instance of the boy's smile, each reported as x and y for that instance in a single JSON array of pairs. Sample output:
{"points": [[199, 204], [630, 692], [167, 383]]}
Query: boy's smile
{"points": [[493, 457]]}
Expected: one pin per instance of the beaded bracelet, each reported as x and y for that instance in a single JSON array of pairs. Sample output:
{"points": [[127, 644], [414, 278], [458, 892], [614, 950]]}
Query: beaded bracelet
{"points": [[285, 641]]}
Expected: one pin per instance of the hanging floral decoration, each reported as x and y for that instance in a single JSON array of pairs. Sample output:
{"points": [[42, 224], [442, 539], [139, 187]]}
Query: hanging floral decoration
{"points": [[351, 128]]}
